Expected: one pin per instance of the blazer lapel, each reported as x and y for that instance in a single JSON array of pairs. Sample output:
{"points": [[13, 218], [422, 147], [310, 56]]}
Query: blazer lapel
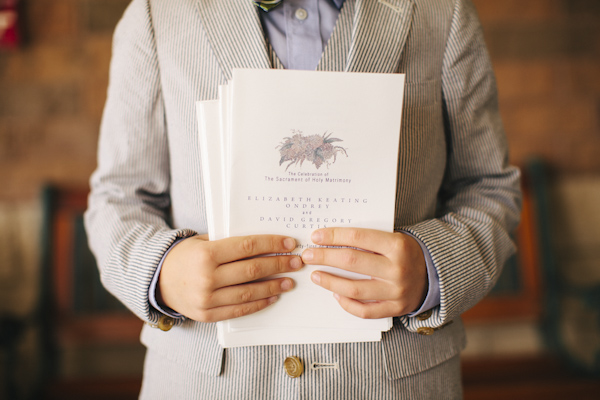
{"points": [[234, 31], [379, 34]]}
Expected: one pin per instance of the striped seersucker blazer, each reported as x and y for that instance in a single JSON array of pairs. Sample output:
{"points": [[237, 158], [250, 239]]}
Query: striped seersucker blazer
{"points": [[455, 191]]}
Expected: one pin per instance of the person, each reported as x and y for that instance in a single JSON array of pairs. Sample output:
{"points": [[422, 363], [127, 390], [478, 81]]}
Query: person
{"points": [[457, 202]]}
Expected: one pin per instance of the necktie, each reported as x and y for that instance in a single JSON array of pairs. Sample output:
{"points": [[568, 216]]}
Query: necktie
{"points": [[267, 5]]}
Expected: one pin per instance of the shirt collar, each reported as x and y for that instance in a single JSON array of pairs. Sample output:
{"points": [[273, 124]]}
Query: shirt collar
{"points": [[337, 3]]}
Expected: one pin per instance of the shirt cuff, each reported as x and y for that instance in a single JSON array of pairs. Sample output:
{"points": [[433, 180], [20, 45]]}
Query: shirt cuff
{"points": [[152, 290], [433, 292]]}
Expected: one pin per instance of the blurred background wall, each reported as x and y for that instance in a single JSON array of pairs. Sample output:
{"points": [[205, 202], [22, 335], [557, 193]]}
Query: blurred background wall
{"points": [[546, 55]]}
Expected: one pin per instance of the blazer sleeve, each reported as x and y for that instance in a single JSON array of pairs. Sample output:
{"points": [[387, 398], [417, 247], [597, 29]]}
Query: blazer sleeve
{"points": [[127, 214], [480, 199]]}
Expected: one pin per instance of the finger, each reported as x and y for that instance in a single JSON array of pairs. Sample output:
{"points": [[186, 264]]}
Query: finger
{"points": [[361, 289], [350, 260], [250, 292], [381, 309], [244, 271], [237, 248], [232, 311], [367, 239]]}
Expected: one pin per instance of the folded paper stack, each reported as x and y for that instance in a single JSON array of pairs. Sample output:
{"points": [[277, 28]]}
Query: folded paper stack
{"points": [[287, 152]]}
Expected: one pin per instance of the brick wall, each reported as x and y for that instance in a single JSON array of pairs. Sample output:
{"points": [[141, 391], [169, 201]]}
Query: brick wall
{"points": [[546, 55], [52, 93]]}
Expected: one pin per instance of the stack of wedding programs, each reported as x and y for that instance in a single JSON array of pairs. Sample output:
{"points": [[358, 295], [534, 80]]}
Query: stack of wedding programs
{"points": [[288, 152]]}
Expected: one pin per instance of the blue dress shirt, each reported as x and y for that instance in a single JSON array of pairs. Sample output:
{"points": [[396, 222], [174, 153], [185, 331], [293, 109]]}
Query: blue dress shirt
{"points": [[299, 30]]}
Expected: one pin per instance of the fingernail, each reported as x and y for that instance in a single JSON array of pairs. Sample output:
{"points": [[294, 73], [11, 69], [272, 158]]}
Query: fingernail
{"points": [[272, 299], [289, 244], [308, 255], [317, 237], [286, 285], [296, 263], [316, 277], [337, 296]]}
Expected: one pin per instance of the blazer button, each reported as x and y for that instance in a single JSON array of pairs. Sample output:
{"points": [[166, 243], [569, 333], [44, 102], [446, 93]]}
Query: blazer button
{"points": [[165, 323], [424, 315], [293, 366], [425, 330]]}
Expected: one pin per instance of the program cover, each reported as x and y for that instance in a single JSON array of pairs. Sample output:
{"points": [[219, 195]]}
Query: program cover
{"points": [[309, 150]]}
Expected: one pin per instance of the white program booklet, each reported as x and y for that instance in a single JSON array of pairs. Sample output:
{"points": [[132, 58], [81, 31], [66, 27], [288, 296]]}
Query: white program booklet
{"points": [[297, 151]]}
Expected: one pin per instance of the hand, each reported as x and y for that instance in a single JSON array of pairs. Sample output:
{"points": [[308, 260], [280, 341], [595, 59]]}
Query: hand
{"points": [[211, 281], [395, 262]]}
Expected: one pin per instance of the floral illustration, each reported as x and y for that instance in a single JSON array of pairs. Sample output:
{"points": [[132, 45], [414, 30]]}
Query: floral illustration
{"points": [[314, 148]]}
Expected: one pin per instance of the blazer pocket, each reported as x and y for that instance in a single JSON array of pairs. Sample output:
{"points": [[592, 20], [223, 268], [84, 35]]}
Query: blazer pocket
{"points": [[423, 94], [409, 353]]}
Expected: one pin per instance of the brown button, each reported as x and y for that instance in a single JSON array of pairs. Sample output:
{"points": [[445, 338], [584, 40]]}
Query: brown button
{"points": [[165, 323], [293, 366], [425, 330], [424, 315]]}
